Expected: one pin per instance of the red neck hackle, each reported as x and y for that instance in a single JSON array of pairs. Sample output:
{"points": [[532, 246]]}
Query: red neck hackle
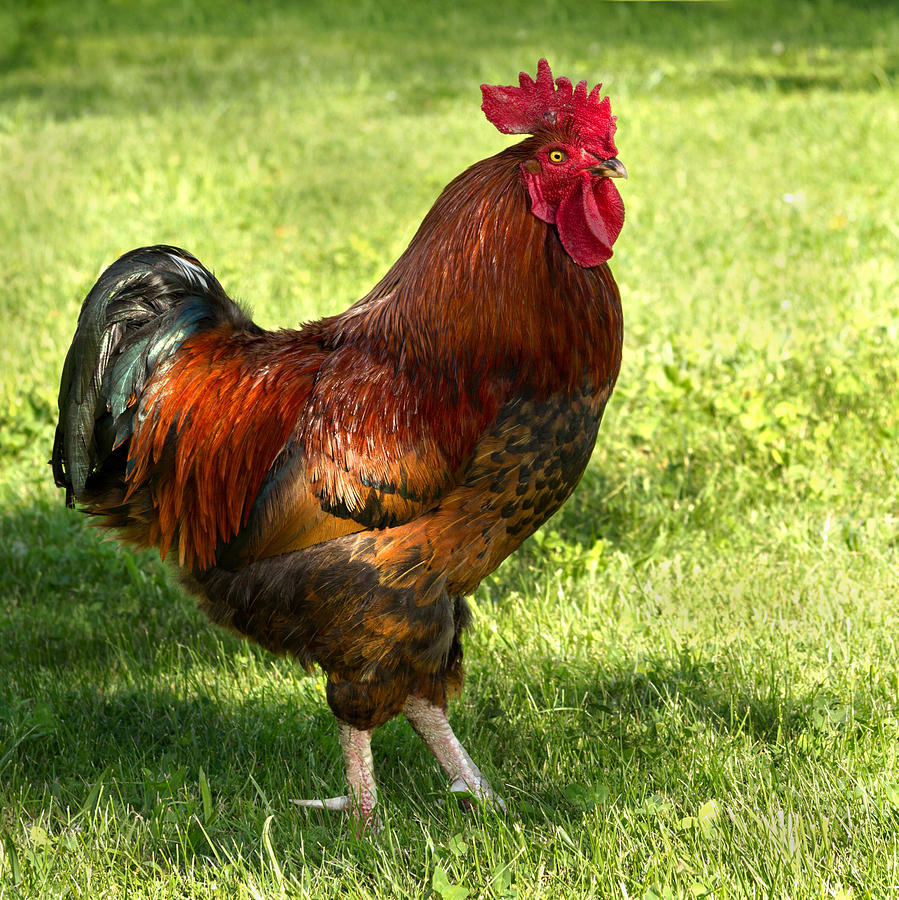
{"points": [[485, 291]]}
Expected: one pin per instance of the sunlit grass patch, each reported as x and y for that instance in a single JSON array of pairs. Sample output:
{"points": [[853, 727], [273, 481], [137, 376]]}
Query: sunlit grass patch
{"points": [[686, 684]]}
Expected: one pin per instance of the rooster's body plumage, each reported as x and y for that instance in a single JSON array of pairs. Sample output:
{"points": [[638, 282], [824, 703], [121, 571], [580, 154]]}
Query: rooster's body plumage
{"points": [[334, 492]]}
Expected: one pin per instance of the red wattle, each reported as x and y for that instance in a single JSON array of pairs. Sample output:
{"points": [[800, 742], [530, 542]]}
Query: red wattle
{"points": [[588, 217], [589, 220]]}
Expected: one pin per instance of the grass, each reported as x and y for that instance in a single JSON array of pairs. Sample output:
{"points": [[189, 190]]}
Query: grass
{"points": [[686, 684]]}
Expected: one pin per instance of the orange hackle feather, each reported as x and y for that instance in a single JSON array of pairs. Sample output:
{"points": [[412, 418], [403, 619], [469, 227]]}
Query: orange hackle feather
{"points": [[224, 418]]}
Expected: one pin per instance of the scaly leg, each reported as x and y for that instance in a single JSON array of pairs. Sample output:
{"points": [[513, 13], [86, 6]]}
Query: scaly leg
{"points": [[360, 773], [433, 727]]}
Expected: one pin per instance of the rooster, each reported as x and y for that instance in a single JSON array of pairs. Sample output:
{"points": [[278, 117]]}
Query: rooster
{"points": [[335, 492]]}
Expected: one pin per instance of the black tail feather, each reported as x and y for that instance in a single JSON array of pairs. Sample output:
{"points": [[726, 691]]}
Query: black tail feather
{"points": [[140, 311]]}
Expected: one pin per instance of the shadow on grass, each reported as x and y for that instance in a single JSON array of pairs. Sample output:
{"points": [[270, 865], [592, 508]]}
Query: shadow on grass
{"points": [[90, 692], [130, 734], [67, 589], [147, 746]]}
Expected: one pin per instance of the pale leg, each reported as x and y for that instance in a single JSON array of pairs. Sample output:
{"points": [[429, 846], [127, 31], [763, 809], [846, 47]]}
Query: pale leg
{"points": [[360, 774], [433, 727]]}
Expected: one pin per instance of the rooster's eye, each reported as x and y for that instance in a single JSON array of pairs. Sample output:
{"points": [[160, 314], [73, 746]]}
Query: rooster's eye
{"points": [[557, 156]]}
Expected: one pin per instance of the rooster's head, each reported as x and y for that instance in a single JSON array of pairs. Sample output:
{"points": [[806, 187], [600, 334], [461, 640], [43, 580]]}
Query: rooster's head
{"points": [[574, 156]]}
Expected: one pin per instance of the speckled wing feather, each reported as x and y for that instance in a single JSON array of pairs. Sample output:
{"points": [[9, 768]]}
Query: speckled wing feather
{"points": [[262, 445]]}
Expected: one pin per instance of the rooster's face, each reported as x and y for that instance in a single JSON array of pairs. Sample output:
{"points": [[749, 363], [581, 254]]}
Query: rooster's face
{"points": [[568, 175], [568, 183], [559, 166]]}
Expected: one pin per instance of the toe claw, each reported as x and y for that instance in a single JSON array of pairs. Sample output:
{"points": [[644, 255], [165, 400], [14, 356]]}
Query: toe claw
{"points": [[481, 792], [366, 821], [334, 804]]}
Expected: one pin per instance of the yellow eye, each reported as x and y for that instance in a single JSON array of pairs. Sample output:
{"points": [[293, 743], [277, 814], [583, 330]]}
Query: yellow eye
{"points": [[557, 156]]}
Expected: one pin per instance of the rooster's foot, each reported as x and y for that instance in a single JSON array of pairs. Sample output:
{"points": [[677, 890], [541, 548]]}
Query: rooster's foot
{"points": [[363, 795], [433, 727], [481, 793], [332, 804]]}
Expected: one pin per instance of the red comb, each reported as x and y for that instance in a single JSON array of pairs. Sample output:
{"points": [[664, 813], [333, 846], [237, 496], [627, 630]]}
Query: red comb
{"points": [[535, 104]]}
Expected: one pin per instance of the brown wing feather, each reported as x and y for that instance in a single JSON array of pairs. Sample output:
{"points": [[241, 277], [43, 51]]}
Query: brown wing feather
{"points": [[250, 446], [373, 448]]}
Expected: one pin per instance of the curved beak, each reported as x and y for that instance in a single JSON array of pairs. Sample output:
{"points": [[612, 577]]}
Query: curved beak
{"points": [[609, 168]]}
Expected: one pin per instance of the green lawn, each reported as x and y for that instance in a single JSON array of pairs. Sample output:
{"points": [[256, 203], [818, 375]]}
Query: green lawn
{"points": [[687, 684]]}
